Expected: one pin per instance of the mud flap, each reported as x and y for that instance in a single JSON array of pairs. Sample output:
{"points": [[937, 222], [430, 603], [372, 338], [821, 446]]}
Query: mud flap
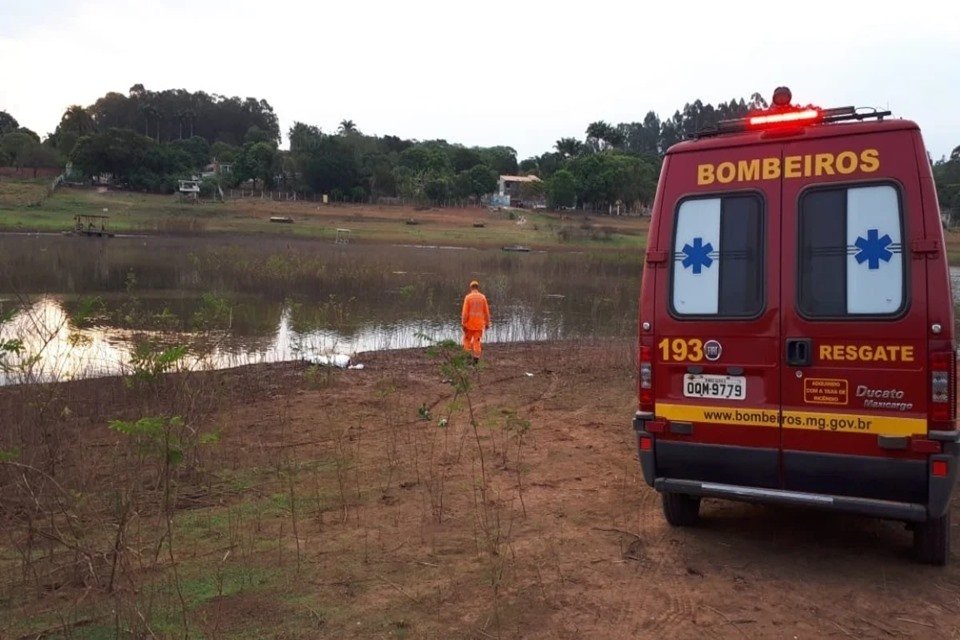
{"points": [[941, 487], [647, 459]]}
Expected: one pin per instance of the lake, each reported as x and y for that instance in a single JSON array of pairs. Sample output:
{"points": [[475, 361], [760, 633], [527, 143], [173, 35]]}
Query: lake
{"points": [[83, 307]]}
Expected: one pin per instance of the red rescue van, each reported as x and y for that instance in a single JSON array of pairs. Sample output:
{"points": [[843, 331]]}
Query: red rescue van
{"points": [[796, 322]]}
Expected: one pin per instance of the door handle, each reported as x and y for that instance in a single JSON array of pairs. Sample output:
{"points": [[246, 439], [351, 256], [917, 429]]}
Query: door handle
{"points": [[799, 352]]}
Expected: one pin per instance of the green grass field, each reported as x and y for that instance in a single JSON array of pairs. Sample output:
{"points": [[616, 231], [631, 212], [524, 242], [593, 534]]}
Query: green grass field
{"points": [[146, 213]]}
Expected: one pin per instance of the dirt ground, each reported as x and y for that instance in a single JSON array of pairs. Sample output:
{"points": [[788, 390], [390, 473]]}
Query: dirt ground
{"points": [[364, 504]]}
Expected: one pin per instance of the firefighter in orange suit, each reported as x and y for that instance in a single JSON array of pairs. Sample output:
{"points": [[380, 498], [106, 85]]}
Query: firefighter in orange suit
{"points": [[475, 317]]}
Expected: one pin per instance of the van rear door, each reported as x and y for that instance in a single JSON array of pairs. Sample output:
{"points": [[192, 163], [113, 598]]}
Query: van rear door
{"points": [[716, 324], [854, 317]]}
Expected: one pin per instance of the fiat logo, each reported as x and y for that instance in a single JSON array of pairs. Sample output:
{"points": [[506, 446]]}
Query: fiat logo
{"points": [[712, 350]]}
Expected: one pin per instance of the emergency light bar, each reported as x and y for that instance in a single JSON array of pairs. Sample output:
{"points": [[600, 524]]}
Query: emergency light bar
{"points": [[782, 115], [790, 116]]}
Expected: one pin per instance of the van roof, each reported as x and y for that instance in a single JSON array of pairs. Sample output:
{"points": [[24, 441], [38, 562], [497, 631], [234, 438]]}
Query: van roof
{"points": [[757, 137]]}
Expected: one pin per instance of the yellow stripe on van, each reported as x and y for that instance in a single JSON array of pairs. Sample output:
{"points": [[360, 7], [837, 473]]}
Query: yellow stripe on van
{"points": [[854, 423], [721, 415], [804, 420]]}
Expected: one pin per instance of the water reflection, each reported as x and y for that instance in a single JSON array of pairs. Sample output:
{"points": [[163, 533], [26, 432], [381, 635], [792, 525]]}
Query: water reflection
{"points": [[81, 309], [56, 349], [233, 302]]}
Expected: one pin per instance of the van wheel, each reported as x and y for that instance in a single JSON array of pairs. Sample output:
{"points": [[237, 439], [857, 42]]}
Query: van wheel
{"points": [[931, 541], [680, 509]]}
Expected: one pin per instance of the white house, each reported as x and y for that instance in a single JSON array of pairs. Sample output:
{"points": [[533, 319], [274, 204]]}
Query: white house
{"points": [[511, 192]]}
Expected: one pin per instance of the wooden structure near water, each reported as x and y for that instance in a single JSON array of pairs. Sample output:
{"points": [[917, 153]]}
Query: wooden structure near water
{"points": [[92, 226]]}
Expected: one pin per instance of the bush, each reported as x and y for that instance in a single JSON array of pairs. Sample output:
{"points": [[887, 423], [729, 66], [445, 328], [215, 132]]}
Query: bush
{"points": [[208, 188]]}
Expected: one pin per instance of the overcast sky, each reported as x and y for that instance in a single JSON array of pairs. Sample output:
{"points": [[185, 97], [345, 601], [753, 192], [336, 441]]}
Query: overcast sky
{"points": [[517, 73]]}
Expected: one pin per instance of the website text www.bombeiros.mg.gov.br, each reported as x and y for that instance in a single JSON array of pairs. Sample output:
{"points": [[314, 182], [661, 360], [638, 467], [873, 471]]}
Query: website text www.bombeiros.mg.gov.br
{"points": [[834, 423], [787, 419]]}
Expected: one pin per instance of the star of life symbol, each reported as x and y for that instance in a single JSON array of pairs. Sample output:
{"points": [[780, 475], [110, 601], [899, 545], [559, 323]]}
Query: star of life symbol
{"points": [[873, 249], [697, 256]]}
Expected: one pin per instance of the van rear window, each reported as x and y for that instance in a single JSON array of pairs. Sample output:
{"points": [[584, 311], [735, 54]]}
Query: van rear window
{"points": [[717, 257], [851, 252]]}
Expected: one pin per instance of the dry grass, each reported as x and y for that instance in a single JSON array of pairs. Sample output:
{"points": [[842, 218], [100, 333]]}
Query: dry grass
{"points": [[368, 504], [23, 193]]}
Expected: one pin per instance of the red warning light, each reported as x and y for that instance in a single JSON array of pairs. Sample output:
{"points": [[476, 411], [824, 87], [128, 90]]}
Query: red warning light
{"points": [[805, 115]]}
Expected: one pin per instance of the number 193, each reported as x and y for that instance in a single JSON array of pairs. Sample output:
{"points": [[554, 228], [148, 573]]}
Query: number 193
{"points": [[681, 349]]}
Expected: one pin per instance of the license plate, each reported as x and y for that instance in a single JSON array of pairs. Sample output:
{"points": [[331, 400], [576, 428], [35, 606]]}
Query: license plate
{"points": [[707, 386]]}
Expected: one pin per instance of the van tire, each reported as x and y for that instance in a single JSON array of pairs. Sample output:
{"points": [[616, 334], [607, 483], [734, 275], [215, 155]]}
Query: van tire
{"points": [[931, 541], [680, 509]]}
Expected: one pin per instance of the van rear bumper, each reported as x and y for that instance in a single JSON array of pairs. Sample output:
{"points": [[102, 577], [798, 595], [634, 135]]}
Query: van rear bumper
{"points": [[863, 506], [900, 490]]}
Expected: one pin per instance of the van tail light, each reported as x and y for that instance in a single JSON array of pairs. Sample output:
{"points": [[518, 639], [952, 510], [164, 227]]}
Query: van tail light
{"points": [[943, 397], [646, 378], [646, 443], [939, 468]]}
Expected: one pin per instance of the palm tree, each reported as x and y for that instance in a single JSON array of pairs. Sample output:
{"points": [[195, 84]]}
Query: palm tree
{"points": [[568, 147], [600, 134], [191, 116], [150, 112], [78, 120], [615, 137], [347, 127]]}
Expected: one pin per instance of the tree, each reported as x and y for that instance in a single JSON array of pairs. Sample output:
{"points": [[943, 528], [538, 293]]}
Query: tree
{"points": [[671, 132], [304, 137], [257, 161], [562, 190], [197, 148], [757, 102], [482, 180], [568, 147], [113, 110], [30, 133], [549, 163], [462, 158], [649, 143], [421, 159], [36, 156], [8, 124], [347, 127], [255, 134], [438, 189], [327, 163], [532, 191], [393, 144], [159, 168], [150, 112], [503, 160], [529, 166], [176, 114], [611, 176], [224, 152], [378, 170], [119, 152], [946, 175], [77, 120], [12, 145], [598, 135]]}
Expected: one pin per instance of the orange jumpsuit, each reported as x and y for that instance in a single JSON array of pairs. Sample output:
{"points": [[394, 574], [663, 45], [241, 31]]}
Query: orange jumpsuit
{"points": [[474, 318]]}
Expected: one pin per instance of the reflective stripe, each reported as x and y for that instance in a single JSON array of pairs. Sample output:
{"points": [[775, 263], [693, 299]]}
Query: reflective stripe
{"points": [[803, 420]]}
